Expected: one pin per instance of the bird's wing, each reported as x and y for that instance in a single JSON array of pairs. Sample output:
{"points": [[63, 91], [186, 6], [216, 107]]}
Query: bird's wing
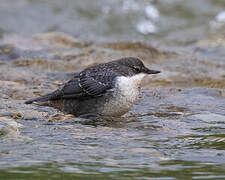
{"points": [[71, 89], [96, 85], [86, 85]]}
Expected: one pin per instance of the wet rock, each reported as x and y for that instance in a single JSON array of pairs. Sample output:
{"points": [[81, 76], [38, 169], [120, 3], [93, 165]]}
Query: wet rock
{"points": [[3, 129], [8, 52], [17, 116], [14, 125], [13, 89], [147, 52], [215, 39], [208, 82], [9, 129], [60, 40], [121, 46], [33, 115], [43, 63], [59, 117]]}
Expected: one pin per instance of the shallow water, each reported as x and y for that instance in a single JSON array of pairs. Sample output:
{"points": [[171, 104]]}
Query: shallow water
{"points": [[176, 131]]}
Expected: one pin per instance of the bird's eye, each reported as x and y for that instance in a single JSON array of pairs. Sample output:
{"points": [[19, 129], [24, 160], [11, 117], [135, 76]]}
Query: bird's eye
{"points": [[137, 68]]}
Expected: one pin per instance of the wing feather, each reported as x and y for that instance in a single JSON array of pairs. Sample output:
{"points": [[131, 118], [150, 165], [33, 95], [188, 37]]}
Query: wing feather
{"points": [[96, 85]]}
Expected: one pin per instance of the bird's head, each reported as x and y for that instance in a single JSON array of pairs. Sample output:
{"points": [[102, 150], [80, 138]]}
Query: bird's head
{"points": [[136, 66]]}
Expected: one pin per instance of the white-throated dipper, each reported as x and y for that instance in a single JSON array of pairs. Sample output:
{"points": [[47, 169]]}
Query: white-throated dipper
{"points": [[108, 89]]}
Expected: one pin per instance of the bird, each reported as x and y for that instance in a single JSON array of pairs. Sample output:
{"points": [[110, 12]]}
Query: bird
{"points": [[107, 89]]}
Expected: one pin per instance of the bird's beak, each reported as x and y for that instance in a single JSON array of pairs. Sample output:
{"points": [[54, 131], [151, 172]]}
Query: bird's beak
{"points": [[150, 71]]}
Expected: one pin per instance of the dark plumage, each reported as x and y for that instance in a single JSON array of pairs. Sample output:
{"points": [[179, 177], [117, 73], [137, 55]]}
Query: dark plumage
{"points": [[91, 89]]}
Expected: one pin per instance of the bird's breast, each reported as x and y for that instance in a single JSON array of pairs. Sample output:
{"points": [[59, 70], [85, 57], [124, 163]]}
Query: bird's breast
{"points": [[124, 95], [129, 86]]}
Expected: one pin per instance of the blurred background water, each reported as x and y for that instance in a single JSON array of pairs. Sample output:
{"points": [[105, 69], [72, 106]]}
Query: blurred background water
{"points": [[102, 20]]}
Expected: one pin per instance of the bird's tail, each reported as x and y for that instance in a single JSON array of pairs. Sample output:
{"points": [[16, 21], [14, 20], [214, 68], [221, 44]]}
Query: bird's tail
{"points": [[39, 99], [47, 97]]}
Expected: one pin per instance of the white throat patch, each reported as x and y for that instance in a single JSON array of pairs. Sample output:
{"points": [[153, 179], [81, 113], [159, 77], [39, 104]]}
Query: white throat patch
{"points": [[133, 81], [129, 86]]}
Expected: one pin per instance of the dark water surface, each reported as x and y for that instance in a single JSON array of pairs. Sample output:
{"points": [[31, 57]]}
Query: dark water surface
{"points": [[176, 131]]}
